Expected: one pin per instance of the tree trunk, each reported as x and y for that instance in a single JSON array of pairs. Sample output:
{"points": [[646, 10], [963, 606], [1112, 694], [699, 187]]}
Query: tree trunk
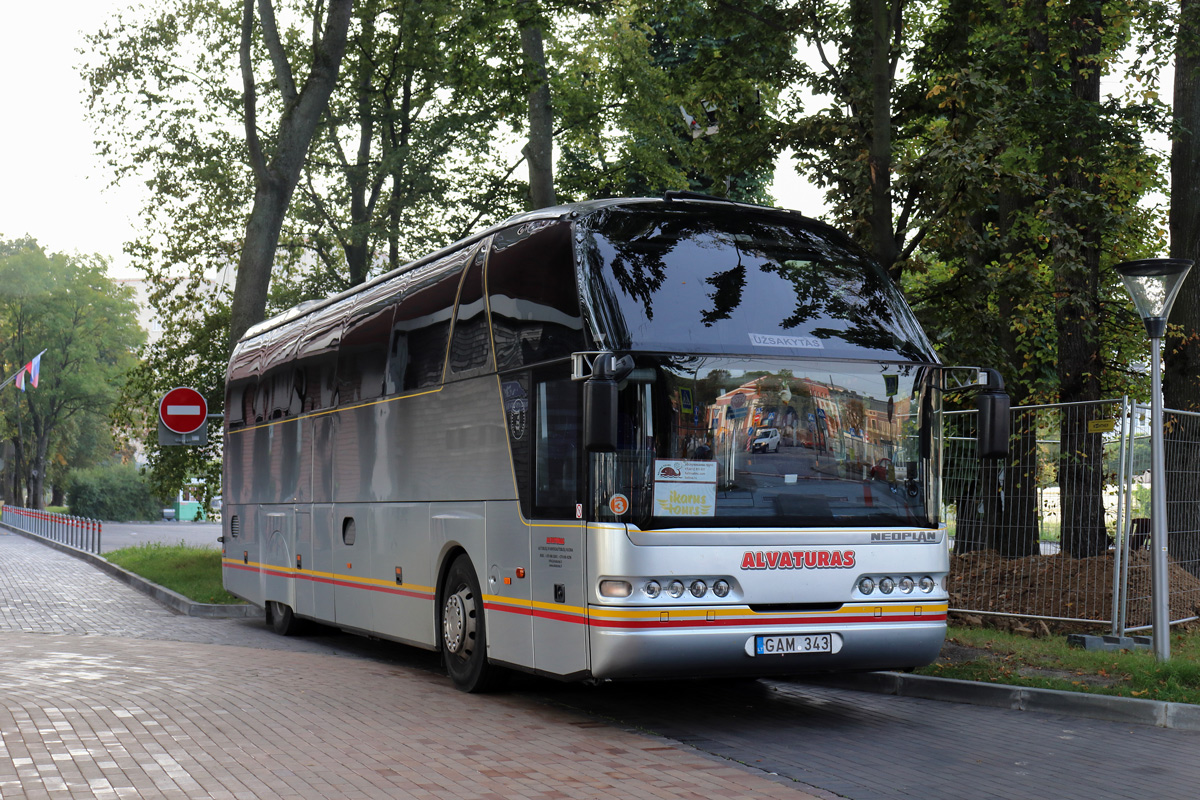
{"points": [[275, 181], [539, 151], [1077, 282], [1017, 535], [18, 472], [1181, 379], [880, 148]]}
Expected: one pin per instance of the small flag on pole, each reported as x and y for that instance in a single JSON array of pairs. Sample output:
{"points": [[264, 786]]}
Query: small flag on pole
{"points": [[34, 368], [21, 379]]}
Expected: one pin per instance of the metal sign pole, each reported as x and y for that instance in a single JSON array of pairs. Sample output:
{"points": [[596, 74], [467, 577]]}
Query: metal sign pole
{"points": [[1159, 588]]}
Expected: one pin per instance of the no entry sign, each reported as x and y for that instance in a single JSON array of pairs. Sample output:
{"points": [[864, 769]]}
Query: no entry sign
{"points": [[183, 410]]}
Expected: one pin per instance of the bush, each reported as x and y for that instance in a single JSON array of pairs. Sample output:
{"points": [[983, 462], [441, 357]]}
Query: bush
{"points": [[120, 493]]}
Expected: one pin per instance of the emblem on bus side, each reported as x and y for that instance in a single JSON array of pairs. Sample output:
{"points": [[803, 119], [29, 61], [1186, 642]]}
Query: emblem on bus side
{"points": [[515, 408]]}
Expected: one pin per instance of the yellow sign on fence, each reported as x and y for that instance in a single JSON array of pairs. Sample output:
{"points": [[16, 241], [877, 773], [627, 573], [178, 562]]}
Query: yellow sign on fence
{"points": [[1101, 425]]}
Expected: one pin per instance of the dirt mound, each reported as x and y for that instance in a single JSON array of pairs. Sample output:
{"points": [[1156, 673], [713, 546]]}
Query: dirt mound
{"points": [[1063, 588]]}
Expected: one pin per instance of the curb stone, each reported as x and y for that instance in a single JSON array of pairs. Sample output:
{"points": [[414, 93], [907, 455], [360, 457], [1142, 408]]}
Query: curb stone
{"points": [[172, 600], [1129, 710]]}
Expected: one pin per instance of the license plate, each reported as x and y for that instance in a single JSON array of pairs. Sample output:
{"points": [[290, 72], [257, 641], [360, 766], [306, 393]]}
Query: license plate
{"points": [[793, 643]]}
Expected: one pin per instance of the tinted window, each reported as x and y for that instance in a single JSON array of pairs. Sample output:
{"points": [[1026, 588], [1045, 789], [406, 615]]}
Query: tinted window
{"points": [[680, 280], [417, 350], [241, 383], [469, 348], [316, 357], [363, 356], [533, 295], [557, 448]]}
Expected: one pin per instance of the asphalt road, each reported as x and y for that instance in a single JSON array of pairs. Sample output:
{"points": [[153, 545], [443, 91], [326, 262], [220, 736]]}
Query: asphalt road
{"points": [[116, 535]]}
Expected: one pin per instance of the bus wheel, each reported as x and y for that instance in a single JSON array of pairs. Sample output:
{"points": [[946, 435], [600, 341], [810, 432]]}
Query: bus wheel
{"points": [[464, 642], [281, 619]]}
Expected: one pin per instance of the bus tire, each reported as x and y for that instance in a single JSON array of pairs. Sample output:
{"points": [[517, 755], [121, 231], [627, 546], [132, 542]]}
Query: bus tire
{"points": [[281, 619], [462, 629]]}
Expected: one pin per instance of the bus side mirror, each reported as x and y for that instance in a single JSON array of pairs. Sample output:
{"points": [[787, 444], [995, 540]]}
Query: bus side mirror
{"points": [[600, 415], [993, 424], [600, 402]]}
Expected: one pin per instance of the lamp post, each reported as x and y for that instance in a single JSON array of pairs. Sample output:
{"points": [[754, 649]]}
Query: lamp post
{"points": [[1153, 284]]}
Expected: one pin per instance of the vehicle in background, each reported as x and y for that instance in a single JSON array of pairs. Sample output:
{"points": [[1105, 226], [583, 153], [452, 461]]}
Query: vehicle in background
{"points": [[766, 441]]}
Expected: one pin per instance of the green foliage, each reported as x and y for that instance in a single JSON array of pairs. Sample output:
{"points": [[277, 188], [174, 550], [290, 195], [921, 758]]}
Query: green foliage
{"points": [[1035, 190], [117, 492], [194, 572], [404, 162], [626, 80], [87, 326]]}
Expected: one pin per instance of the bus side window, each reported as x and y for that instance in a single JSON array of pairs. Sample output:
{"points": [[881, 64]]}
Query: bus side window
{"points": [[469, 345], [234, 400], [534, 319], [362, 358], [316, 356], [557, 448], [397, 362], [518, 418], [423, 320]]}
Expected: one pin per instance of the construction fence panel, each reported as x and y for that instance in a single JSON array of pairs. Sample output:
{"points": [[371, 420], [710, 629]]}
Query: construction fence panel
{"points": [[1034, 535], [1181, 441]]}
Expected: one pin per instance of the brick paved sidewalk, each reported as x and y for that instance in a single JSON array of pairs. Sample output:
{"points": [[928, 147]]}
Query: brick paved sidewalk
{"points": [[86, 710], [111, 718]]}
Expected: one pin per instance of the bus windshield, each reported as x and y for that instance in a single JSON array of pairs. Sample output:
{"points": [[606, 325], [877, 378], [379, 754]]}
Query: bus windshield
{"points": [[688, 280], [741, 442]]}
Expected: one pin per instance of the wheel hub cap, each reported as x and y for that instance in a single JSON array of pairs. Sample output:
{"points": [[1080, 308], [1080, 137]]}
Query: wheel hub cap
{"points": [[454, 623]]}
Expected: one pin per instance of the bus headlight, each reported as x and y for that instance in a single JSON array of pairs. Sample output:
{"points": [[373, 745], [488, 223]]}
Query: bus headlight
{"points": [[721, 589], [698, 588], [887, 585], [866, 585], [927, 584], [652, 589], [906, 585], [615, 588], [675, 589]]}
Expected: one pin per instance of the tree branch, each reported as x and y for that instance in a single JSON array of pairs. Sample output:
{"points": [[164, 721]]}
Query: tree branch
{"points": [[279, 59], [250, 116]]}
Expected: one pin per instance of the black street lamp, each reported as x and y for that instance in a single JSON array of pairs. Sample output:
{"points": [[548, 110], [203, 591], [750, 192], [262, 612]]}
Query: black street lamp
{"points": [[1153, 284]]}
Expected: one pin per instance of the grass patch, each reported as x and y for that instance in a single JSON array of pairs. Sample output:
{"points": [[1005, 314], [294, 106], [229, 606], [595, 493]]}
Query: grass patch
{"points": [[194, 572], [993, 656]]}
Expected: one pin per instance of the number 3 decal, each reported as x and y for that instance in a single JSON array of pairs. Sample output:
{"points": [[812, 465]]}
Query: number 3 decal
{"points": [[618, 504]]}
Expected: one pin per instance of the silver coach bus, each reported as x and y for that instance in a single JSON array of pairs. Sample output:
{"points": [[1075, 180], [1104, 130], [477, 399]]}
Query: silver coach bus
{"points": [[536, 449]]}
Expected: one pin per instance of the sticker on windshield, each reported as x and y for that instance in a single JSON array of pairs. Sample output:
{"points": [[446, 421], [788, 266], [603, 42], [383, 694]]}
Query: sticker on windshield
{"points": [[775, 340], [685, 488], [618, 504]]}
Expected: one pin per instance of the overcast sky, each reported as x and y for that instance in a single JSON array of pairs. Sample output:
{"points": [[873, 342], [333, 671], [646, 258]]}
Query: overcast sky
{"points": [[52, 185]]}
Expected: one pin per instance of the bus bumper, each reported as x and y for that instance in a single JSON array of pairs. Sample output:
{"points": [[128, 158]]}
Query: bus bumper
{"points": [[648, 653]]}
